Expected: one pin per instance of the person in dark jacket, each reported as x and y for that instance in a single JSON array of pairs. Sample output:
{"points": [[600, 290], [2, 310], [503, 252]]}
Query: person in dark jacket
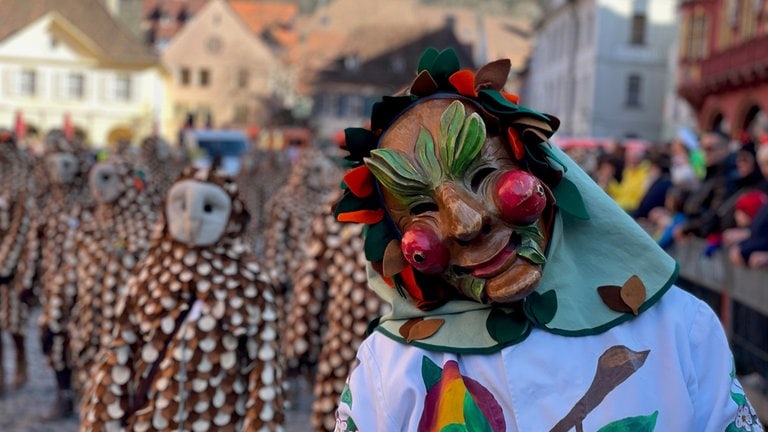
{"points": [[702, 205]]}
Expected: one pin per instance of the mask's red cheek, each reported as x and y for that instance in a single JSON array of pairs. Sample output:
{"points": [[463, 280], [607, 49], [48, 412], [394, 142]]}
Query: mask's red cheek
{"points": [[424, 249], [520, 197]]}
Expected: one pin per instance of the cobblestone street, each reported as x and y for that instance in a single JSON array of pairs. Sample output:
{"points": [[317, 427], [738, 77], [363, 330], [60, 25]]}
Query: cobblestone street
{"points": [[20, 410]]}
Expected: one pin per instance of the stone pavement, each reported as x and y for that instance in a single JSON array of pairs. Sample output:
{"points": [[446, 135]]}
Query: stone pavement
{"points": [[20, 410]]}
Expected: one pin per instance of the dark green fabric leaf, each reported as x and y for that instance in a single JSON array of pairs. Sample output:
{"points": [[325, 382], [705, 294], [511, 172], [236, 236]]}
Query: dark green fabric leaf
{"points": [[427, 58], [446, 63], [430, 372], [506, 328], [739, 398], [358, 142], [632, 424], [541, 308], [473, 417], [349, 202], [568, 198], [497, 104], [377, 236], [385, 111]]}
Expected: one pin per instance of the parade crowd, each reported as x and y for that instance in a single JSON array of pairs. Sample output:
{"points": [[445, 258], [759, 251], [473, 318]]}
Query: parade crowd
{"points": [[171, 294], [710, 187]]}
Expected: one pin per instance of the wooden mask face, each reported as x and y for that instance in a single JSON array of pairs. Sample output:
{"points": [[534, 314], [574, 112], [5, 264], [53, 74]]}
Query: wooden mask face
{"points": [[468, 214]]}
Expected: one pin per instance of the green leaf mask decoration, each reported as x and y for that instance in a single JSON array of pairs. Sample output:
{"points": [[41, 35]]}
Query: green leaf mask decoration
{"points": [[396, 173], [460, 140]]}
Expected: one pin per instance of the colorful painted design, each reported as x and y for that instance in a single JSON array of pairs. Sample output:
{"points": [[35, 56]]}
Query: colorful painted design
{"points": [[746, 417], [346, 424], [457, 403]]}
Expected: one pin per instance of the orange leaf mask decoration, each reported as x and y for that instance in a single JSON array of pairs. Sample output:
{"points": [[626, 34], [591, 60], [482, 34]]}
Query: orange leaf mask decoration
{"points": [[515, 99], [516, 143], [362, 216], [464, 81], [360, 181]]}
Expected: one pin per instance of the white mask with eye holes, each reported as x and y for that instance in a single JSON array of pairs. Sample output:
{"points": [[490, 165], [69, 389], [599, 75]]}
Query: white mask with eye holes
{"points": [[62, 167], [197, 213], [104, 182]]}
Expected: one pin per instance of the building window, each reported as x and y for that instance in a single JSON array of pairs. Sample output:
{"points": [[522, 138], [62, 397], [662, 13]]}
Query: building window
{"points": [[28, 83], [634, 84], [241, 114], [205, 77], [637, 36], [123, 88], [76, 85], [185, 76], [242, 78]]}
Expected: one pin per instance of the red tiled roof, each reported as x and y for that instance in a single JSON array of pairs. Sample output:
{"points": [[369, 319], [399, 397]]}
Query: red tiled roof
{"points": [[110, 37]]}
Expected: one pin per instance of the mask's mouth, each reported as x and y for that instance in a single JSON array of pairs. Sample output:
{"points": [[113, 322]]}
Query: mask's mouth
{"points": [[494, 265]]}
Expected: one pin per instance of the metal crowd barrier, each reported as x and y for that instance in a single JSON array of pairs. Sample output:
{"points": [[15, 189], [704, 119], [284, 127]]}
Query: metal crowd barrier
{"points": [[740, 298]]}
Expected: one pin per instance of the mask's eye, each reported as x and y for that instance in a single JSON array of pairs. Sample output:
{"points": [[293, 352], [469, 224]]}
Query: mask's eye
{"points": [[423, 207], [479, 176], [208, 207]]}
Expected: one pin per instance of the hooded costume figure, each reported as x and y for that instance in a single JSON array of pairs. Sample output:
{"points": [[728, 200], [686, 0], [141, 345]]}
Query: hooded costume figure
{"points": [[522, 297]]}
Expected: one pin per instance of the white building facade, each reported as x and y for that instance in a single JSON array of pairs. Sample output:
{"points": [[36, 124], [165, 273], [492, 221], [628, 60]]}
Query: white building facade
{"points": [[50, 69], [603, 67]]}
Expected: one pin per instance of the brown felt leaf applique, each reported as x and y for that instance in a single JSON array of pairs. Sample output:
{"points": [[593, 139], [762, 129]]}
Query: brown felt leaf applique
{"points": [[627, 298], [423, 85], [493, 75], [394, 261], [419, 328]]}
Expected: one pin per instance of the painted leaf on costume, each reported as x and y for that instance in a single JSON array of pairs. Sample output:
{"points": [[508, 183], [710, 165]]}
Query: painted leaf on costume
{"points": [[394, 170], [423, 329], [632, 424], [427, 159], [454, 400]]}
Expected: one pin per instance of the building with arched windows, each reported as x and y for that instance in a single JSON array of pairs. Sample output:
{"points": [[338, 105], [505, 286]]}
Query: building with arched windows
{"points": [[724, 64]]}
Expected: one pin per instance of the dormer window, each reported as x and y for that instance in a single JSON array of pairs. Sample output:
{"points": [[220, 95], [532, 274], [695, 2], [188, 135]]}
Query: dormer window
{"points": [[351, 63], [398, 64]]}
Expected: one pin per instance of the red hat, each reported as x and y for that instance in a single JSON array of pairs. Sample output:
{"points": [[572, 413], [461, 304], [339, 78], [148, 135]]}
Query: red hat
{"points": [[751, 202]]}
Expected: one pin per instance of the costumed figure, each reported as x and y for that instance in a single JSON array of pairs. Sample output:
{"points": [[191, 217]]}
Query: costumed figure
{"points": [[18, 252], [523, 298], [312, 181], [110, 240], [195, 341], [329, 312], [262, 172], [63, 196], [163, 166]]}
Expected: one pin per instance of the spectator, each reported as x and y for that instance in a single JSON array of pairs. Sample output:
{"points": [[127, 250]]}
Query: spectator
{"points": [[658, 181], [701, 206], [608, 172], [745, 210], [753, 250], [666, 219], [746, 177], [681, 168], [630, 190]]}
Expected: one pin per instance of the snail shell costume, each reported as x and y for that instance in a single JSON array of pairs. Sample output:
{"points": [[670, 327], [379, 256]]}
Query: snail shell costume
{"points": [[196, 339]]}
